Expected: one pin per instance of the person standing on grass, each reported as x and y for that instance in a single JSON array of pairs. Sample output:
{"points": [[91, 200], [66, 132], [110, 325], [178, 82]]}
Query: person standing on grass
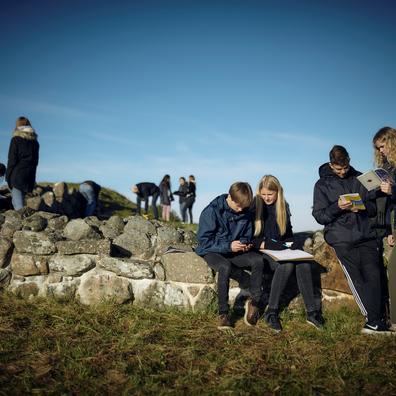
{"points": [[166, 197], [224, 241], [182, 193], [191, 195], [272, 229], [143, 191], [23, 158], [384, 142], [348, 231]]}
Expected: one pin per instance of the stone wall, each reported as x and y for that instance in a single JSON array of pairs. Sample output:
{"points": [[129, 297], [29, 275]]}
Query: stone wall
{"points": [[126, 260]]}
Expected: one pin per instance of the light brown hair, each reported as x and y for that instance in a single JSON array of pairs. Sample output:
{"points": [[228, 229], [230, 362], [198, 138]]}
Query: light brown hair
{"points": [[386, 136], [241, 193]]}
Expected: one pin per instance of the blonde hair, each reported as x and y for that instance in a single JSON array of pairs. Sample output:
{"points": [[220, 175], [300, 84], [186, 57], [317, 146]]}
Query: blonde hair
{"points": [[386, 136], [271, 183]]}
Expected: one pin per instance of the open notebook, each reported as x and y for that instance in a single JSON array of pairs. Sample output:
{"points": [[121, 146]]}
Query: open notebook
{"points": [[288, 255]]}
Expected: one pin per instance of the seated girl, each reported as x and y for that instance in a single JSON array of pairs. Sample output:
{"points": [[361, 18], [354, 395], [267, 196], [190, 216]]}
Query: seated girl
{"points": [[272, 230]]}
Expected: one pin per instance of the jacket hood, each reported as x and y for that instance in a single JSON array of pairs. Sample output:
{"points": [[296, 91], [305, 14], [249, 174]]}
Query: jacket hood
{"points": [[25, 132], [326, 171]]}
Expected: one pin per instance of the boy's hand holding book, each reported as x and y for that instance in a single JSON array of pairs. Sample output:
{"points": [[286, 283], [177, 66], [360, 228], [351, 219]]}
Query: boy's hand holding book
{"points": [[352, 202]]}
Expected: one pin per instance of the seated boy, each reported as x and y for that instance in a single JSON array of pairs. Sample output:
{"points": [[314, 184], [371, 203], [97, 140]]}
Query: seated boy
{"points": [[224, 241]]}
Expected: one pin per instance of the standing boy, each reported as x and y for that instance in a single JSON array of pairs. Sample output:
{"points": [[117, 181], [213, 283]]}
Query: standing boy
{"points": [[224, 241], [348, 231]]}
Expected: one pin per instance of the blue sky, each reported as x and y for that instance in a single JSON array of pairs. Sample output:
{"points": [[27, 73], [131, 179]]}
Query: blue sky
{"points": [[126, 91]]}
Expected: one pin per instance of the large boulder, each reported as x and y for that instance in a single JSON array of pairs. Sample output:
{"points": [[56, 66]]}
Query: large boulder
{"points": [[32, 242], [129, 268], [168, 236], [12, 223], [97, 286], [78, 229], [35, 223], [186, 267], [75, 265]]}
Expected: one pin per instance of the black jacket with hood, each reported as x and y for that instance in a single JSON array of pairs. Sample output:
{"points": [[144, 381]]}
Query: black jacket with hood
{"points": [[342, 227], [23, 157]]}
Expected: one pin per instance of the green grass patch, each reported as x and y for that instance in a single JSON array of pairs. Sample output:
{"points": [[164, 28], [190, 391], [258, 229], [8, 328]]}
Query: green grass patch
{"points": [[49, 347]]}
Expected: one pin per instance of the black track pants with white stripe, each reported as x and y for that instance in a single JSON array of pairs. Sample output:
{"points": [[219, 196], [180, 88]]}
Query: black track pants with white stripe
{"points": [[361, 267]]}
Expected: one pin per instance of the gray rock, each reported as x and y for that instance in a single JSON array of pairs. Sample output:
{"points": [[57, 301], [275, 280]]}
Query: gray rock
{"points": [[190, 238], [148, 293], [35, 203], [6, 248], [33, 286], [139, 225], [74, 265], [176, 297], [64, 290], [113, 227], [96, 287], [205, 300], [78, 229], [159, 272], [2, 219], [12, 223], [187, 268], [168, 236], [87, 246], [138, 245], [57, 223], [32, 242], [28, 265], [35, 223], [129, 268]]}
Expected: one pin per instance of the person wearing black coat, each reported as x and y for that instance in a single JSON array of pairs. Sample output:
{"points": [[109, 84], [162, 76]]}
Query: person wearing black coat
{"points": [[23, 158], [191, 195], [143, 191], [348, 231], [272, 231], [182, 193]]}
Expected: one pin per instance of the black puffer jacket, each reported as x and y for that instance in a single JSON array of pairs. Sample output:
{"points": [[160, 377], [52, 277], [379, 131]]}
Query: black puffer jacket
{"points": [[341, 226], [23, 157]]}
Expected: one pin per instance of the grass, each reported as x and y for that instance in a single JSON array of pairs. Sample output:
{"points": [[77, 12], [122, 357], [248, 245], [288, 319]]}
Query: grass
{"points": [[50, 347]]}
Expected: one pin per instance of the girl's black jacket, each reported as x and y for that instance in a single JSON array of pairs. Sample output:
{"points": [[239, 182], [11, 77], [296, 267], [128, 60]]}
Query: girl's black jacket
{"points": [[23, 157], [342, 227]]}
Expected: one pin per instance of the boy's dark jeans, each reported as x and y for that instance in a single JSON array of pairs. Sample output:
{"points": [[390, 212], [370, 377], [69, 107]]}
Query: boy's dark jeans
{"points": [[231, 265]]}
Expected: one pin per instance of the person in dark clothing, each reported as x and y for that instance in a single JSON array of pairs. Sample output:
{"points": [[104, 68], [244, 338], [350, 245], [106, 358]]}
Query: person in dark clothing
{"points": [[23, 158], [5, 201], [166, 197], [90, 191], [224, 241], [272, 229], [191, 195], [384, 142], [182, 193], [348, 231], [143, 191]]}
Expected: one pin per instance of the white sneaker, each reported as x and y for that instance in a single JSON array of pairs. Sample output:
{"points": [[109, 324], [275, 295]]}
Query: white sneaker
{"points": [[376, 328]]}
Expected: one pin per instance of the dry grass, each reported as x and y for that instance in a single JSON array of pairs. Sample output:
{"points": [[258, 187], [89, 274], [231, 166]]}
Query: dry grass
{"points": [[48, 347]]}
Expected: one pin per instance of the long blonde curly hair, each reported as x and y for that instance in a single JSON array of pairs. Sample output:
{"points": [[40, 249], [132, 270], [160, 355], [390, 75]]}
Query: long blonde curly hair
{"points": [[386, 136], [273, 184]]}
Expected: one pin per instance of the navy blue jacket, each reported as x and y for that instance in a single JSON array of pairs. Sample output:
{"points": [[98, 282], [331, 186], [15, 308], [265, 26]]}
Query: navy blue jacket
{"points": [[341, 226], [219, 225]]}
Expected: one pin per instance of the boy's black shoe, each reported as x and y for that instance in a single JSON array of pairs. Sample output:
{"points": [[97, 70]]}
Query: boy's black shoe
{"points": [[224, 322], [315, 319], [376, 328], [272, 320], [252, 313]]}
